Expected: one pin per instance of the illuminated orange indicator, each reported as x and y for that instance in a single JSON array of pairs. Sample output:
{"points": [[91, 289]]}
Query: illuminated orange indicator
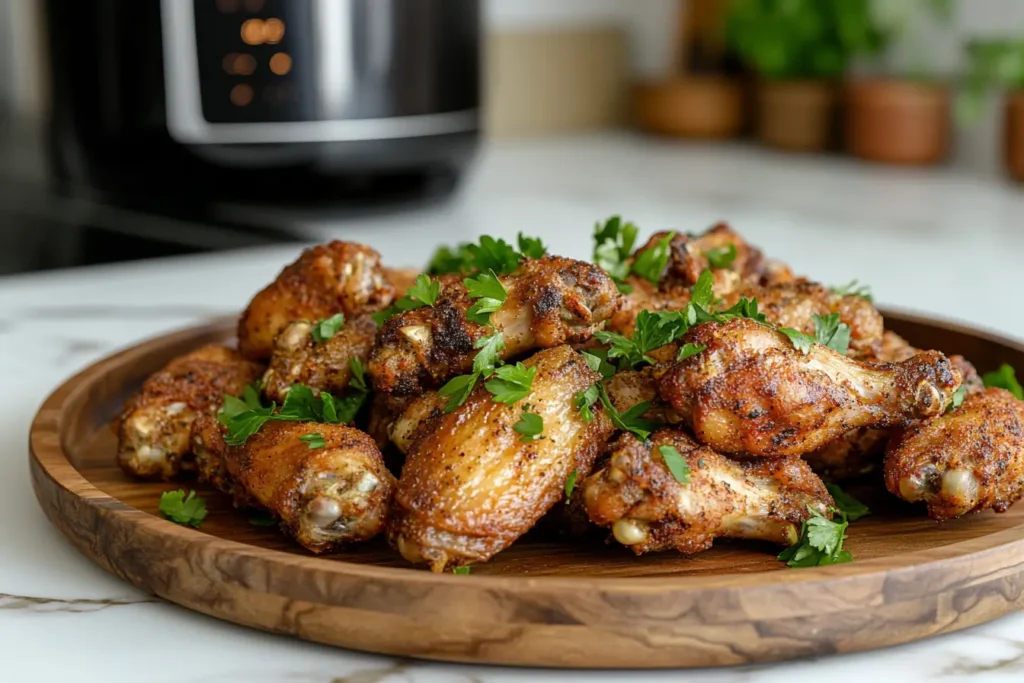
{"points": [[252, 31], [273, 31], [236, 64], [280, 63], [241, 95]]}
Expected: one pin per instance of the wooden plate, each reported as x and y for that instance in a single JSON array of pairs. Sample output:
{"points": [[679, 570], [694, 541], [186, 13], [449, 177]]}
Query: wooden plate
{"points": [[541, 602]]}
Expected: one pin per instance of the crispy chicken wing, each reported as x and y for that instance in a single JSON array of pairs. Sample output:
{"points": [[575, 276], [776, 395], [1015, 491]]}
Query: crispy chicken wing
{"points": [[339, 277], [470, 486], [855, 453], [324, 497], [551, 301], [299, 359], [966, 461], [752, 391], [626, 389], [153, 430], [648, 509]]}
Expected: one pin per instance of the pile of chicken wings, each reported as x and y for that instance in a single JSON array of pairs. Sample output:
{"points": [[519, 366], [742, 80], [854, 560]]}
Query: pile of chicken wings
{"points": [[427, 429]]}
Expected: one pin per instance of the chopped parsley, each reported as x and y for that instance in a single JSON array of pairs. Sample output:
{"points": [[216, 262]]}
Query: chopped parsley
{"points": [[187, 510], [511, 383], [820, 542], [721, 257], [650, 263], [570, 484], [424, 292], [597, 360], [447, 260], [828, 331], [494, 254], [314, 440], [489, 293], [326, 328], [531, 247], [957, 399], [632, 420], [530, 427], [853, 508], [461, 570], [689, 350], [1004, 378], [675, 463], [854, 288], [457, 390], [585, 401], [489, 254], [652, 331], [487, 359], [613, 245]]}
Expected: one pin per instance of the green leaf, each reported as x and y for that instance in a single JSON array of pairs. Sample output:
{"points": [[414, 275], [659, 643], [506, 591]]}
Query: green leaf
{"points": [[243, 425], [651, 331], [425, 291], [570, 484], [530, 426], [847, 504], [802, 342], [820, 542], [613, 245], [585, 401], [744, 308], [828, 331], [461, 570], [381, 317], [325, 328], [1004, 378], [511, 383], [447, 260], [314, 441], [702, 293], [187, 510], [489, 294], [721, 257], [597, 360], [488, 358], [457, 390], [262, 518], [494, 254], [631, 420], [689, 350], [676, 463], [853, 288], [650, 263], [358, 380], [531, 247], [957, 399], [348, 406], [301, 405]]}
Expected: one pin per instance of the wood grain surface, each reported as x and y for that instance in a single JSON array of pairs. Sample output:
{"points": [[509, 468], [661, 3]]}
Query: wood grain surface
{"points": [[542, 602]]}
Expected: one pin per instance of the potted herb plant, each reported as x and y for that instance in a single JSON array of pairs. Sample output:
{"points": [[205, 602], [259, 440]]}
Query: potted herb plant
{"points": [[799, 49], [902, 119], [998, 64]]}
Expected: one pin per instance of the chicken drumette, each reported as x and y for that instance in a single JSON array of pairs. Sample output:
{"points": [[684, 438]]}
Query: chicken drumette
{"points": [[339, 277], [648, 509], [471, 485], [752, 391], [153, 429], [968, 460], [551, 301]]}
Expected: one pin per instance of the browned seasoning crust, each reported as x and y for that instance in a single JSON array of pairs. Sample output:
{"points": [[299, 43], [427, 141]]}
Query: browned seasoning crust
{"points": [[153, 429], [470, 486], [966, 461], [322, 366], [648, 509], [338, 277], [551, 301], [752, 391], [855, 453]]}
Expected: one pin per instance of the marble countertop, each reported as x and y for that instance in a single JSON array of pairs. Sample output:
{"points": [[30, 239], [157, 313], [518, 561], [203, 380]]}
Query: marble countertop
{"points": [[939, 242]]}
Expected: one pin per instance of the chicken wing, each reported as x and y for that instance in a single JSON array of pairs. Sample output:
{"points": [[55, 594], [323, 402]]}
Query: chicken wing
{"points": [[855, 453], [626, 389], [470, 485], [551, 301], [968, 460], [324, 366], [752, 391], [324, 497], [648, 509], [339, 277], [153, 429]]}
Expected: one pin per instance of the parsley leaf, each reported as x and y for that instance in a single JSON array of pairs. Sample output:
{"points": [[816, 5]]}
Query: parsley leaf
{"points": [[744, 308], [832, 333], [721, 257], [531, 247], [957, 399], [850, 506], [650, 263], [489, 294], [1004, 378], [447, 260], [243, 425], [461, 570], [613, 245], [531, 426], [187, 510], [597, 360], [689, 350], [702, 294], [854, 288], [262, 518], [511, 383], [585, 401], [570, 484], [325, 328], [487, 359], [424, 292], [314, 441], [631, 420], [358, 379], [675, 463], [494, 254], [820, 542], [802, 342], [652, 331], [457, 390]]}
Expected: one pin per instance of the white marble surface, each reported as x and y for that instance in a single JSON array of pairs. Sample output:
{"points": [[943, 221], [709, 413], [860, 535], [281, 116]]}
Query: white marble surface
{"points": [[937, 242]]}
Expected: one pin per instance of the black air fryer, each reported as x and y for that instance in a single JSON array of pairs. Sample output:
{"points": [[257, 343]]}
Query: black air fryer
{"points": [[274, 101]]}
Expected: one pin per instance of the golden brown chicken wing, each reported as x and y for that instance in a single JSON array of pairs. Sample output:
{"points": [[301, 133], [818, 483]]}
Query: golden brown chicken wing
{"points": [[649, 509], [626, 389], [325, 496], [752, 391], [339, 277], [323, 366], [896, 348], [153, 430], [470, 485], [968, 460], [855, 453], [551, 301]]}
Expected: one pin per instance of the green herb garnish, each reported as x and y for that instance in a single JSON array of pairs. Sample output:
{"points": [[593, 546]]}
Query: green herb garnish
{"points": [[1004, 378], [675, 463], [721, 257], [820, 542], [650, 263], [853, 508], [570, 484], [531, 247], [613, 245], [457, 390], [689, 350], [828, 331], [530, 427], [511, 383], [461, 570], [585, 401], [489, 293], [187, 510], [325, 328], [314, 441], [854, 288]]}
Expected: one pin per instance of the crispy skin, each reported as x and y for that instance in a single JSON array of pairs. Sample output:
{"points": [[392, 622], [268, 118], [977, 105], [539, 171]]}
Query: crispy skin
{"points": [[966, 461], [626, 389], [551, 301], [648, 509], [298, 359], [153, 430], [324, 497], [405, 428], [855, 453], [896, 348], [338, 277], [470, 486], [210, 451], [751, 391]]}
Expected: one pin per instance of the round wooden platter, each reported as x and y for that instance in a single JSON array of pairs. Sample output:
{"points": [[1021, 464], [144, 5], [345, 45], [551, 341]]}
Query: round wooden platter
{"points": [[542, 602]]}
